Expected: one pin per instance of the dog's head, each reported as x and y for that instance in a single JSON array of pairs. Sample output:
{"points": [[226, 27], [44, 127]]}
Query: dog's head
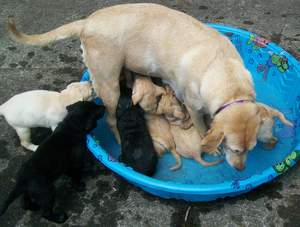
{"points": [[84, 115], [154, 99], [147, 94], [238, 128], [80, 91], [124, 103], [169, 106]]}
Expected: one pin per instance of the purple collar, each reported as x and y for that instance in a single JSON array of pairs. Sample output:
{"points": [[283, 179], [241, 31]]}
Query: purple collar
{"points": [[224, 106]]}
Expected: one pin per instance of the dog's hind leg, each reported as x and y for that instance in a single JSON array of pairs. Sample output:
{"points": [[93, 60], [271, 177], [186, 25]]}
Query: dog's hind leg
{"points": [[198, 121], [43, 194], [76, 176], [53, 127], [24, 135], [105, 62], [29, 203], [16, 192], [177, 158]]}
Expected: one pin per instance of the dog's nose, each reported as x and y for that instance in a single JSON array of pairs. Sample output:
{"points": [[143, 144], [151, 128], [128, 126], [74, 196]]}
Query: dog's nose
{"points": [[239, 167]]}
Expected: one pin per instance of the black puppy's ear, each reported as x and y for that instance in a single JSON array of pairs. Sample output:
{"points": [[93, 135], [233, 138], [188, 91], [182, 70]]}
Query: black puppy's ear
{"points": [[73, 106], [91, 123], [101, 111]]}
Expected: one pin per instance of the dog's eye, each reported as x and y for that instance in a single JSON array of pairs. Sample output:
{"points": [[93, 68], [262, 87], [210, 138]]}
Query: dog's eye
{"points": [[235, 151], [158, 98]]}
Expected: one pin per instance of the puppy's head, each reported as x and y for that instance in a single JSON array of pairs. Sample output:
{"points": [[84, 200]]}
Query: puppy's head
{"points": [[147, 94], [84, 115], [81, 91], [169, 106], [238, 128], [125, 102]]}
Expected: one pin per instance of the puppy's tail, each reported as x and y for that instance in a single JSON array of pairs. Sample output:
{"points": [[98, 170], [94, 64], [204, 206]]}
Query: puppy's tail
{"points": [[1, 114], [62, 32], [177, 158], [15, 193], [199, 159]]}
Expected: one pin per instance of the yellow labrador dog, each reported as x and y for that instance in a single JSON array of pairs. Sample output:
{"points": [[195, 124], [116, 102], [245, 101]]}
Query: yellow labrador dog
{"points": [[201, 65]]}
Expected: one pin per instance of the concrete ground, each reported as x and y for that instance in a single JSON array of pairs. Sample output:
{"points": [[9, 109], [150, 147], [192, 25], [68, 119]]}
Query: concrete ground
{"points": [[109, 201]]}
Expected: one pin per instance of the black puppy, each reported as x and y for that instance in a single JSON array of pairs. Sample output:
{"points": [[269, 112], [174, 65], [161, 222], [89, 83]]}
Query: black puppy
{"points": [[137, 149], [61, 153]]}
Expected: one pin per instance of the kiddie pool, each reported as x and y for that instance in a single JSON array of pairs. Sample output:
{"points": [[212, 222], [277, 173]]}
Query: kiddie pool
{"points": [[276, 75]]}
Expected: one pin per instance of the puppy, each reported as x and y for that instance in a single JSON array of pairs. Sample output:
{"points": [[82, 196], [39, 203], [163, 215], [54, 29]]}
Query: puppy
{"points": [[168, 132], [137, 149], [160, 101], [162, 137], [61, 153], [180, 142], [40, 108]]}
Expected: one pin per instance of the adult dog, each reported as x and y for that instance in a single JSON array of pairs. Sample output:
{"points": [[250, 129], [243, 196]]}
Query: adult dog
{"points": [[201, 65]]}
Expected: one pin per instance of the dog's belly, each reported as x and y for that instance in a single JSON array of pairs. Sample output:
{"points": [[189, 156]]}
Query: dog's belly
{"points": [[158, 42]]}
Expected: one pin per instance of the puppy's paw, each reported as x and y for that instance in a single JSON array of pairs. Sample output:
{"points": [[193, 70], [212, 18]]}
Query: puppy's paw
{"points": [[29, 146], [270, 144], [217, 152], [79, 186], [33, 147], [27, 205], [58, 217]]}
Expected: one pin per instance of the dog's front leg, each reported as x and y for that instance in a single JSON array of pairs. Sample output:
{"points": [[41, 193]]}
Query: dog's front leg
{"points": [[45, 199], [109, 93], [265, 134], [198, 120], [105, 61], [24, 135]]}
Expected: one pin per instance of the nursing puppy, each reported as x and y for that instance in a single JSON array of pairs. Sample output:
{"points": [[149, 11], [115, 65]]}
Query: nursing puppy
{"points": [[180, 142], [167, 131], [61, 153], [202, 66], [159, 100], [41, 108], [137, 149]]}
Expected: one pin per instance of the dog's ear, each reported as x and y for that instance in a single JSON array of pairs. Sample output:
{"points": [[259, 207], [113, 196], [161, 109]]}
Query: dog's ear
{"points": [[73, 106], [74, 84], [137, 95], [269, 112], [160, 91], [179, 114], [212, 140], [101, 111]]}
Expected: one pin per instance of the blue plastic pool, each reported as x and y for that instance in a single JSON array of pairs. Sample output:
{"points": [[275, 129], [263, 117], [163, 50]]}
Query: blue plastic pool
{"points": [[277, 80]]}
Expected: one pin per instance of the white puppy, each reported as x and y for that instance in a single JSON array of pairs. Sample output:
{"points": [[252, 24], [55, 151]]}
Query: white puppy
{"points": [[41, 108]]}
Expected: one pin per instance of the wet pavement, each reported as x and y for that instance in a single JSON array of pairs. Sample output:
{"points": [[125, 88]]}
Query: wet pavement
{"points": [[110, 201]]}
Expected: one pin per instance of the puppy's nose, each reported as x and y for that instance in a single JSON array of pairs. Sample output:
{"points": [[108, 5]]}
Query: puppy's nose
{"points": [[239, 167]]}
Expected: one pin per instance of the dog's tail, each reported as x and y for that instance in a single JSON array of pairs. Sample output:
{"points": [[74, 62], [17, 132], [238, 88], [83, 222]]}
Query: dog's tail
{"points": [[1, 112], [199, 159], [62, 32], [15, 193]]}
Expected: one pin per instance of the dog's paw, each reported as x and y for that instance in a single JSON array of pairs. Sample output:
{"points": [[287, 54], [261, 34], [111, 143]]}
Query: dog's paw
{"points": [[217, 152], [27, 205], [79, 187], [270, 144], [58, 217]]}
